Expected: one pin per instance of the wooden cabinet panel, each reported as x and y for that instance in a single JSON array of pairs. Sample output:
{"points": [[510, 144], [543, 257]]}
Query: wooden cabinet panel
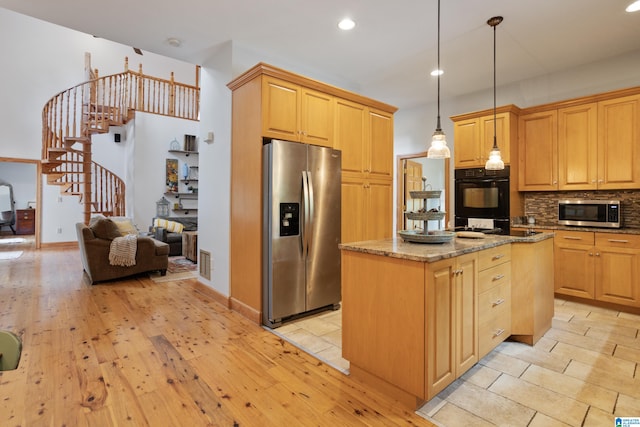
{"points": [[494, 256], [467, 143], [494, 324], [532, 299], [350, 134], [353, 209], [538, 148], [380, 146], [317, 116], [383, 318], [280, 105], [451, 316], [366, 209], [617, 268], [466, 303], [295, 113], [619, 143], [440, 326], [574, 269], [577, 147], [473, 138]]}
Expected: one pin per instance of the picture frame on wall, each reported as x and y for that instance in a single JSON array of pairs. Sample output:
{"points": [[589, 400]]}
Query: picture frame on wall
{"points": [[172, 175]]}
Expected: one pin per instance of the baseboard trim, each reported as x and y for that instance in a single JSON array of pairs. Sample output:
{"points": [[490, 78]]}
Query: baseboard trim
{"points": [[59, 245], [247, 311], [208, 291]]}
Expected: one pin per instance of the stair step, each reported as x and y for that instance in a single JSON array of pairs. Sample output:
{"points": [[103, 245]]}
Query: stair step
{"points": [[73, 139]]}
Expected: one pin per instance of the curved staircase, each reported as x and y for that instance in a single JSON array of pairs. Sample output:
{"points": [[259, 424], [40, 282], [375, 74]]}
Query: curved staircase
{"points": [[73, 116]]}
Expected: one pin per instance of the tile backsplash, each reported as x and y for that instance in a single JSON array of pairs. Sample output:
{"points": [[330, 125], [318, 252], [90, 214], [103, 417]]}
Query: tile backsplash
{"points": [[544, 204]]}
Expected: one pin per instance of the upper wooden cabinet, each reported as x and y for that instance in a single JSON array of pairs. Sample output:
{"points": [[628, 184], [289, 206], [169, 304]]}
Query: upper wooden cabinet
{"points": [[584, 144], [296, 113], [619, 143], [365, 137], [538, 148], [473, 136]]}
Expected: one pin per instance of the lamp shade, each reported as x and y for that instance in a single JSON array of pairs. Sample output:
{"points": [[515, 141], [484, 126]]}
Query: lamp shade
{"points": [[438, 149], [495, 160]]}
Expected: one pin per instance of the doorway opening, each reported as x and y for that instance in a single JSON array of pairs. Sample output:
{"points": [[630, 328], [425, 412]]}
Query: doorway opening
{"points": [[411, 169]]}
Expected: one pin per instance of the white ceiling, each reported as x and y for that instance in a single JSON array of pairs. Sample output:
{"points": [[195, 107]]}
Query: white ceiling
{"points": [[391, 51]]}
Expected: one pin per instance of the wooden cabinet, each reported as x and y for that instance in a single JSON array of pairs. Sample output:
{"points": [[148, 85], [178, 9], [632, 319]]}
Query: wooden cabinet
{"points": [[366, 212], [451, 309], [619, 143], [532, 302], [473, 136], [574, 268], [296, 113], [538, 151], [617, 268], [25, 221], [584, 144], [494, 300], [598, 266], [274, 103], [365, 137], [578, 147]]}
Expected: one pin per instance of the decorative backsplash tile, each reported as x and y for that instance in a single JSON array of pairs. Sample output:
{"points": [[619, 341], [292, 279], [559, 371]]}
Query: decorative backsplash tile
{"points": [[544, 204]]}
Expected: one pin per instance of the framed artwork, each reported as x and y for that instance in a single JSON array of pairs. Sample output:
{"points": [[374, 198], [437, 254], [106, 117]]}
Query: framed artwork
{"points": [[172, 175]]}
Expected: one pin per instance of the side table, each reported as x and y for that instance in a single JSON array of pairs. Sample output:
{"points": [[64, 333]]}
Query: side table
{"points": [[190, 245]]}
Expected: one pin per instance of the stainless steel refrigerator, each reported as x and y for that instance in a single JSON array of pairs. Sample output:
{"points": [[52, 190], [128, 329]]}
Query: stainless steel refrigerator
{"points": [[301, 230]]}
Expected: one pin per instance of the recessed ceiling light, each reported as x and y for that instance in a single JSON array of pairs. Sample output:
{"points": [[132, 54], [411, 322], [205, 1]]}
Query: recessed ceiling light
{"points": [[346, 24], [633, 7], [172, 41], [435, 73]]}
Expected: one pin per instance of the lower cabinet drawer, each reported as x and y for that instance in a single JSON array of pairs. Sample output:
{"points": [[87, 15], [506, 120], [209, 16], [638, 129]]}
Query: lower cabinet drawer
{"points": [[494, 317]]}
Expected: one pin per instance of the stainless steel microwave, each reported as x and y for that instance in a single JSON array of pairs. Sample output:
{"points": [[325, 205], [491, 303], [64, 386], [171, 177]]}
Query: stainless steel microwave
{"points": [[590, 213]]}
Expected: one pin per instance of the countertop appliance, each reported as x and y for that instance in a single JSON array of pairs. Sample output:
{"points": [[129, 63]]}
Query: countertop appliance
{"points": [[482, 197], [301, 230], [590, 213]]}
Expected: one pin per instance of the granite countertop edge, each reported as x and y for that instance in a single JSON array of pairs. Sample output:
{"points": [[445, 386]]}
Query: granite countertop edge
{"points": [[426, 252]]}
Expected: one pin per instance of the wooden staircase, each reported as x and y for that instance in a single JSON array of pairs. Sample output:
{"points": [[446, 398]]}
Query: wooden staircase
{"points": [[73, 116]]}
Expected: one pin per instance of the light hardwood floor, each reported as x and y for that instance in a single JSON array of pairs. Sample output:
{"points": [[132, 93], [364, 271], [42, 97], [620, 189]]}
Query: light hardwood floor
{"points": [[140, 353]]}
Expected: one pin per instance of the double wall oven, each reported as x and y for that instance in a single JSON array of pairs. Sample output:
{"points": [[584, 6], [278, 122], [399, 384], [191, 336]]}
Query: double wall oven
{"points": [[482, 199]]}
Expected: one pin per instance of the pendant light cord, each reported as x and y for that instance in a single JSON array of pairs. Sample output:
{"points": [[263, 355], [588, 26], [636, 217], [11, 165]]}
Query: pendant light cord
{"points": [[495, 142], [438, 127]]}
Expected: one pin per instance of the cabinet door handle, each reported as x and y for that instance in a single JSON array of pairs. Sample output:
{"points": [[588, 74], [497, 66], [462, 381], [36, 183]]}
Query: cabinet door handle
{"points": [[617, 241], [498, 302], [590, 253], [498, 277], [571, 238], [495, 257], [498, 333], [597, 253]]}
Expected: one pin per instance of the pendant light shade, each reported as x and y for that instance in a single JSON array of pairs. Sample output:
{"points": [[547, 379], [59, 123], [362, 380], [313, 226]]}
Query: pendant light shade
{"points": [[438, 148], [495, 158]]}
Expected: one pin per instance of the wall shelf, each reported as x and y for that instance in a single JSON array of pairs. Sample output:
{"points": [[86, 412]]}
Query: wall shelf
{"points": [[186, 153]]}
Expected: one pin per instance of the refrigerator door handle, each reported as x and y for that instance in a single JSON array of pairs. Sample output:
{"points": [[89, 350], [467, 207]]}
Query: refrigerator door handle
{"points": [[305, 213], [310, 212]]}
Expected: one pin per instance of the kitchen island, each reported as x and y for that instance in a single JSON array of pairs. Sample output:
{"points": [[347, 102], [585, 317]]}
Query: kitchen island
{"points": [[417, 316]]}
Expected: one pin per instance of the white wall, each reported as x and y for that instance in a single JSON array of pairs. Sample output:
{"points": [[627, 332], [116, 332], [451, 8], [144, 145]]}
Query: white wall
{"points": [[153, 136], [42, 61]]}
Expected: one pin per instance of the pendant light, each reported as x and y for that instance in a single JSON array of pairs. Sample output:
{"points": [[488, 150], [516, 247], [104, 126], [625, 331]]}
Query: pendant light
{"points": [[495, 159], [438, 149]]}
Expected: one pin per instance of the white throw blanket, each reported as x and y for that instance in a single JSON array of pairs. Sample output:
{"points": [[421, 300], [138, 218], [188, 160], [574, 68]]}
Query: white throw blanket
{"points": [[122, 251]]}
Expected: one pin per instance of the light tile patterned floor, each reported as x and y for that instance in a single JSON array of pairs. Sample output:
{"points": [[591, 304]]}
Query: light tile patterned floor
{"points": [[583, 372]]}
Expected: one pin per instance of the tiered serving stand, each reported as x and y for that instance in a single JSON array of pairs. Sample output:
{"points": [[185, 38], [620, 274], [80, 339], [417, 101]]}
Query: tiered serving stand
{"points": [[424, 235]]}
